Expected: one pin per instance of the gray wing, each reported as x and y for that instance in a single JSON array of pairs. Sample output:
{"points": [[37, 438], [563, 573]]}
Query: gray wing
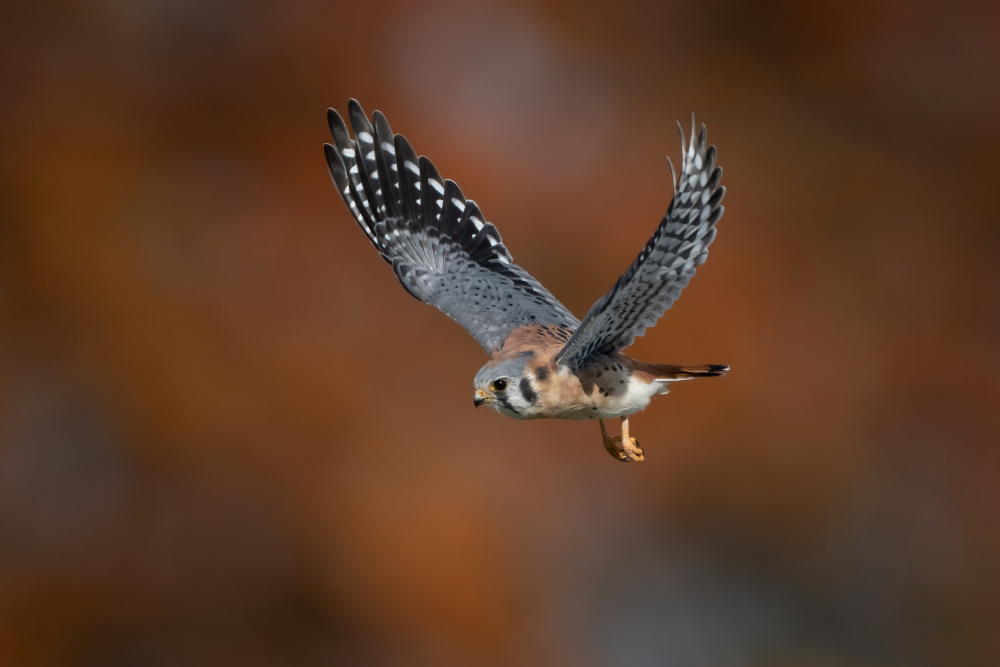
{"points": [[442, 249], [665, 265]]}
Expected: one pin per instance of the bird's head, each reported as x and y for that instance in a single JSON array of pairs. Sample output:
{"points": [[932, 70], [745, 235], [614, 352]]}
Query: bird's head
{"points": [[507, 388]]}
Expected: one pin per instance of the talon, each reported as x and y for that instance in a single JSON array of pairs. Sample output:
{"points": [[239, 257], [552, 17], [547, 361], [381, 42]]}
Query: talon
{"points": [[621, 447], [633, 450]]}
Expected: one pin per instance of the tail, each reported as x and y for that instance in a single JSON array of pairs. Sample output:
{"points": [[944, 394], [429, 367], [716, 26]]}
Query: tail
{"points": [[671, 372]]}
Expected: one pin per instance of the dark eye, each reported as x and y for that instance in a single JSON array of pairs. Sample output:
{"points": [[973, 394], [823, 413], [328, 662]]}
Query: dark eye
{"points": [[498, 385]]}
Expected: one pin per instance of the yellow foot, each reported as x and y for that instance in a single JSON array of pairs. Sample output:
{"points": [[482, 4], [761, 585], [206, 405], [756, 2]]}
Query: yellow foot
{"points": [[622, 447], [624, 451]]}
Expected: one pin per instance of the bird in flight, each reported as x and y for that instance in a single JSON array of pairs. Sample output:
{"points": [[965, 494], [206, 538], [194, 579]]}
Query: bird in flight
{"points": [[544, 362]]}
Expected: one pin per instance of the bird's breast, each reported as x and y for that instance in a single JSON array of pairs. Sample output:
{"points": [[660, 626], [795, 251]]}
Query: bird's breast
{"points": [[601, 391]]}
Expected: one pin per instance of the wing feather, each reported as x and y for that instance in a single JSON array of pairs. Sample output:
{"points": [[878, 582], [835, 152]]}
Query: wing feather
{"points": [[364, 135], [664, 266], [440, 245]]}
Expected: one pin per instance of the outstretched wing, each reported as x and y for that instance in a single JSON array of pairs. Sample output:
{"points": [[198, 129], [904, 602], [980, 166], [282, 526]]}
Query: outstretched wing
{"points": [[442, 249], [665, 265]]}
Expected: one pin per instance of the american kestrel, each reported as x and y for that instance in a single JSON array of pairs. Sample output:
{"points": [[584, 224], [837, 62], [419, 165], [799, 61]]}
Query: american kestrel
{"points": [[544, 363]]}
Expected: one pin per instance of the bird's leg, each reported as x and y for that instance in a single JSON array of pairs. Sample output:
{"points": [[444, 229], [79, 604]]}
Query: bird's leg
{"points": [[622, 447], [631, 445], [609, 444]]}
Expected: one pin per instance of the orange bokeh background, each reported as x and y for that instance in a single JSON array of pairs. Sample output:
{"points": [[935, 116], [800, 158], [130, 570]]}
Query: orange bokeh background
{"points": [[227, 436]]}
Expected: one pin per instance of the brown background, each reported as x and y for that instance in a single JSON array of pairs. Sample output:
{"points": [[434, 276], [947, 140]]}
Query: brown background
{"points": [[227, 436]]}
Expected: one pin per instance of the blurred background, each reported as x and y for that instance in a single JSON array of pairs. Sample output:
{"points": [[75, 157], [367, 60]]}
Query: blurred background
{"points": [[228, 437]]}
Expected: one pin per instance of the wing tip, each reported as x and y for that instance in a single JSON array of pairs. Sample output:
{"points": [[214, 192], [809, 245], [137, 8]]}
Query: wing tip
{"points": [[336, 165], [332, 116]]}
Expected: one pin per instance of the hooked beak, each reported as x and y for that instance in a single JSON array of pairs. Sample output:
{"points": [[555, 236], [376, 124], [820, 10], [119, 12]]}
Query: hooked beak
{"points": [[480, 398]]}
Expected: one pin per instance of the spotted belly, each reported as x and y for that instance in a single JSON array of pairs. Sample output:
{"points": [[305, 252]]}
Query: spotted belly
{"points": [[605, 390]]}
